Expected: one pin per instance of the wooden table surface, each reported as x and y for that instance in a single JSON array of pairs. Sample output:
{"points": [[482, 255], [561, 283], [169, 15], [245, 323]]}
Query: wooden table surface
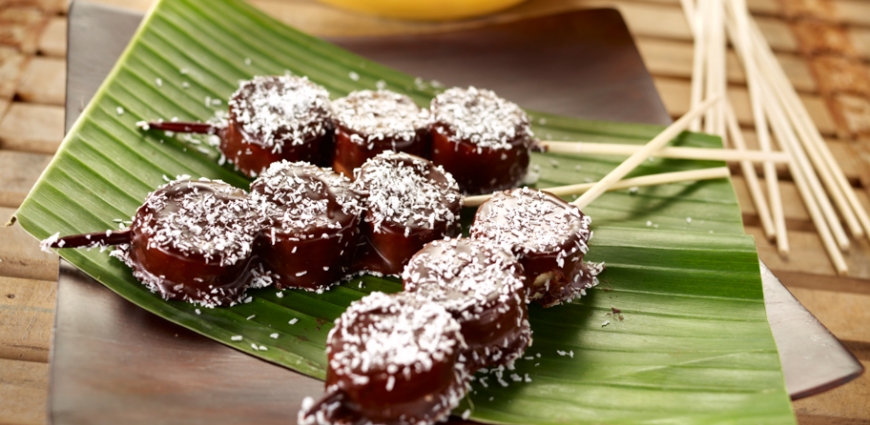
{"points": [[824, 46]]}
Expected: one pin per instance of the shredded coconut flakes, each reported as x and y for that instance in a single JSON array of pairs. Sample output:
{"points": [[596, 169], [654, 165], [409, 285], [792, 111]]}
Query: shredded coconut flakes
{"points": [[461, 274], [281, 109], [213, 220], [390, 333], [530, 221], [379, 115], [401, 190], [480, 117]]}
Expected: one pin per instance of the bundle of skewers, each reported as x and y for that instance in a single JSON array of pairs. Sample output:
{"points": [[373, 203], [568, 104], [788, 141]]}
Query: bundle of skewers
{"points": [[779, 117]]}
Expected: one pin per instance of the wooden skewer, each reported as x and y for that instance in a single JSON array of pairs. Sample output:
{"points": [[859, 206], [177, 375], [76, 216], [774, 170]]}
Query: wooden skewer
{"points": [[586, 148], [720, 73], [853, 212], [651, 180], [739, 32], [689, 11], [638, 157], [181, 127], [750, 175], [332, 396], [106, 238], [696, 22], [708, 8]]}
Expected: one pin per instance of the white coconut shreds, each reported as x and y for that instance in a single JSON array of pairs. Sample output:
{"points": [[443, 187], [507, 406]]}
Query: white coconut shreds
{"points": [[281, 174], [295, 195], [480, 117], [464, 275], [397, 334], [45, 244], [204, 217], [279, 110], [379, 115], [527, 220], [400, 190]]}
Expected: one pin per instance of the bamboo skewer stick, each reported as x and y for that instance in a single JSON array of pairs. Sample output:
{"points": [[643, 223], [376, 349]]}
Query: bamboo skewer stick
{"points": [[696, 20], [853, 212], [180, 127], [750, 175], [689, 11], [741, 40], [586, 148], [707, 7], [720, 72], [638, 157], [651, 180]]}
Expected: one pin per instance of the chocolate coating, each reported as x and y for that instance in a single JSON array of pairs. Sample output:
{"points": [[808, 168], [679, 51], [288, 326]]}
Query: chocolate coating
{"points": [[276, 117], [394, 360], [311, 222], [548, 235], [481, 139], [409, 203], [481, 286], [193, 240], [370, 122]]}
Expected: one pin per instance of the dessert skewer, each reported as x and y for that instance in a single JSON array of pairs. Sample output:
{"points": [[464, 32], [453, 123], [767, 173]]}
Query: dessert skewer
{"points": [[206, 242], [191, 240], [270, 118], [301, 226], [483, 287]]}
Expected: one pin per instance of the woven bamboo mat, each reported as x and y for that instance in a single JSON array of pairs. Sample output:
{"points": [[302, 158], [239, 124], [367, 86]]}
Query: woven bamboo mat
{"points": [[823, 45]]}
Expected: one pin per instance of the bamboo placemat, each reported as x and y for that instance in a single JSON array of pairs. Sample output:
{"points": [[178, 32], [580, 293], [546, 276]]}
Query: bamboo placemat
{"points": [[823, 45]]}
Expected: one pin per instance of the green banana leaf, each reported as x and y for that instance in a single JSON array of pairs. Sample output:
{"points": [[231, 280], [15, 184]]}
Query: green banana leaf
{"points": [[675, 333]]}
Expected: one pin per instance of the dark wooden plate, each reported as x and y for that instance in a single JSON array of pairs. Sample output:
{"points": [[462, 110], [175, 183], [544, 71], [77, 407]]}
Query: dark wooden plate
{"points": [[113, 362]]}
